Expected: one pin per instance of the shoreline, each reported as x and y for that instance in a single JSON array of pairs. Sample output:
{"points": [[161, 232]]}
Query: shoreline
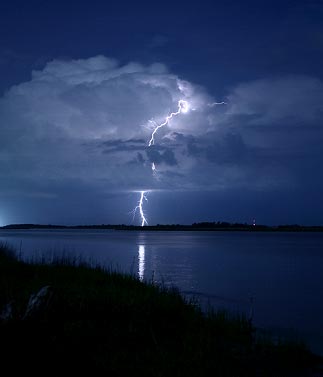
{"points": [[99, 320], [207, 227]]}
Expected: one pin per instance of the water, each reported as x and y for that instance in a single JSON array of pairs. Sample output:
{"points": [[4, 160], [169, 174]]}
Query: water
{"points": [[275, 277]]}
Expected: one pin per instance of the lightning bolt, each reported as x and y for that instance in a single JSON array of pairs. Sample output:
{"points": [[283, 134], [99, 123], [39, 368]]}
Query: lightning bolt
{"points": [[140, 209], [183, 107], [216, 104]]}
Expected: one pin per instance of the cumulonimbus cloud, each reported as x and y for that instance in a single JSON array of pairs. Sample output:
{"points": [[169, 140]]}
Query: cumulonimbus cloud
{"points": [[88, 121]]}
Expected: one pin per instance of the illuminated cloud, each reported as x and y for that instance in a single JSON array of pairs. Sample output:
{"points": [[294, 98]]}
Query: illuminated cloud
{"points": [[87, 123], [89, 120]]}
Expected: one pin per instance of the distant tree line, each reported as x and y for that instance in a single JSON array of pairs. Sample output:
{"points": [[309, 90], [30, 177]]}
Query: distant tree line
{"points": [[205, 226]]}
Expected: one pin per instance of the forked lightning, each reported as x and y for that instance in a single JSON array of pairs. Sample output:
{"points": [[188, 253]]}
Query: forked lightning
{"points": [[183, 107], [140, 209]]}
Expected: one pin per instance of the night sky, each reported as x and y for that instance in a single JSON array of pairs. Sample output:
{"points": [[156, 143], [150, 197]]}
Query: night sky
{"points": [[83, 84]]}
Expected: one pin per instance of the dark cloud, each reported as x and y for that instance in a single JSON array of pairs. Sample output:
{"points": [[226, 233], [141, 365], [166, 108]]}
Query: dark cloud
{"points": [[84, 125], [112, 146], [161, 155]]}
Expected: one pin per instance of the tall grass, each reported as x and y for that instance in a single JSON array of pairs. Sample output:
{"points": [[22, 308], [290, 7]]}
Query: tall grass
{"points": [[100, 321]]}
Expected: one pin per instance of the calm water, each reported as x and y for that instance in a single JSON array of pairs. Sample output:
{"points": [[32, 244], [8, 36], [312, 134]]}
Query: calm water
{"points": [[281, 273]]}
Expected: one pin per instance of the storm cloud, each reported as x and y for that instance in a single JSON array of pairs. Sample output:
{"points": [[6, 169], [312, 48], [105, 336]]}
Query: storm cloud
{"points": [[87, 123]]}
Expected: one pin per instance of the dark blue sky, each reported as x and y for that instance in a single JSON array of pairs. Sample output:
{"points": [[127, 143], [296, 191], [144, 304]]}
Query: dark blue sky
{"points": [[80, 81], [215, 44]]}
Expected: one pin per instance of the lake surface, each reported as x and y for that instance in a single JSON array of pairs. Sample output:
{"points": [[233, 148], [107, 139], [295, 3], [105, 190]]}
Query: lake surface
{"points": [[275, 277]]}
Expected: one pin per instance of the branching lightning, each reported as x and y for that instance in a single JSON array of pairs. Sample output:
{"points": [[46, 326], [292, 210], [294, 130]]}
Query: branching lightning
{"points": [[183, 107], [140, 209]]}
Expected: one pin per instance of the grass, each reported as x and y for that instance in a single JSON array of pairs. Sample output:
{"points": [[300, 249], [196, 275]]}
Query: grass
{"points": [[98, 321]]}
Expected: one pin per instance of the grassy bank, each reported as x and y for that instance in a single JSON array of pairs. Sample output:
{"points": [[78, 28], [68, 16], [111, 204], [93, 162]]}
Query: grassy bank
{"points": [[96, 321]]}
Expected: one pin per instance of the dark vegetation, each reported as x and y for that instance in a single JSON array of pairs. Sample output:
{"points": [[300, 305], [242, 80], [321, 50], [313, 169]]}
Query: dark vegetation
{"points": [[97, 321], [207, 226]]}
